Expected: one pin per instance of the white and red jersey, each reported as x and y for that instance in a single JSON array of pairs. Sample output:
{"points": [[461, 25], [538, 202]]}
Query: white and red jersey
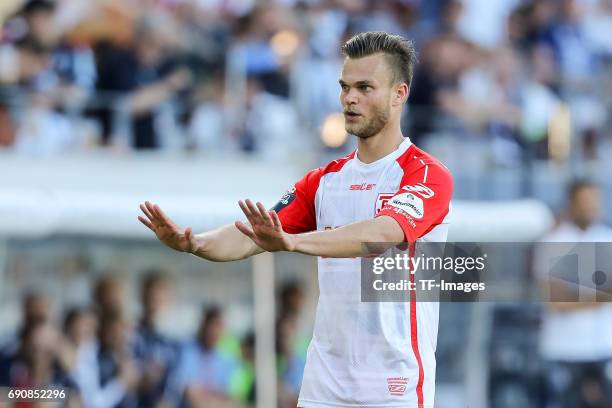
{"points": [[370, 354]]}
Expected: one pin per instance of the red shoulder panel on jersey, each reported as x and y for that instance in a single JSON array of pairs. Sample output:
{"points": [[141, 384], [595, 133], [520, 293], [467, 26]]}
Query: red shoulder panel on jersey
{"points": [[336, 165], [423, 198], [296, 208]]}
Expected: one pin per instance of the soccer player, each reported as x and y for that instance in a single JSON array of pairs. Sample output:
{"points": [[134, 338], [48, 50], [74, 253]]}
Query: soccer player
{"points": [[388, 190]]}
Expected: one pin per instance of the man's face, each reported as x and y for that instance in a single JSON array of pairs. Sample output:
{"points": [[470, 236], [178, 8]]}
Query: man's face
{"points": [[157, 297], [84, 327], [37, 310], [211, 332], [109, 294], [585, 207], [40, 24], [366, 90], [41, 342]]}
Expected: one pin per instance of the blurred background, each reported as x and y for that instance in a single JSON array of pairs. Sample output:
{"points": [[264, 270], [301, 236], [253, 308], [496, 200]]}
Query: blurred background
{"points": [[195, 104]]}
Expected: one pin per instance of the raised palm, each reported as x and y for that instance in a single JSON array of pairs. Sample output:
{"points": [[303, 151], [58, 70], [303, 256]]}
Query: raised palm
{"points": [[265, 227], [165, 229]]}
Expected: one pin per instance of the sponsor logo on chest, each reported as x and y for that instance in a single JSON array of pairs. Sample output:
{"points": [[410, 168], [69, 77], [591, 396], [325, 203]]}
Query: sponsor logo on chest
{"points": [[362, 187]]}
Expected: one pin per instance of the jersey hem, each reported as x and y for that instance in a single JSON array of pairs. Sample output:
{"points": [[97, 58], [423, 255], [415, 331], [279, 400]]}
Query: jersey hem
{"points": [[305, 403]]}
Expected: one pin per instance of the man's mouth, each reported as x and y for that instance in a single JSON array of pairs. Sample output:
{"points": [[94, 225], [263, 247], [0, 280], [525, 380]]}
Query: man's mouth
{"points": [[352, 114]]}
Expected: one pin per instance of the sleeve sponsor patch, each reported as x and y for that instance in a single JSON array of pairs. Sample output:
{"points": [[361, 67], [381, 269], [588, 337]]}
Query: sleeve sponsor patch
{"points": [[409, 203], [285, 200]]}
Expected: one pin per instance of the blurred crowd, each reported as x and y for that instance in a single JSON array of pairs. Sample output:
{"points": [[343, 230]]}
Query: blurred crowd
{"points": [[552, 349], [523, 78], [103, 358]]}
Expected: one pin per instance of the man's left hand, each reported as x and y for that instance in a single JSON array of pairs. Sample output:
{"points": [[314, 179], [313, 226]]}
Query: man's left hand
{"points": [[266, 229]]}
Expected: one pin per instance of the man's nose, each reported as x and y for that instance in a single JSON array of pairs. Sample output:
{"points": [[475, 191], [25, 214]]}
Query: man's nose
{"points": [[351, 97]]}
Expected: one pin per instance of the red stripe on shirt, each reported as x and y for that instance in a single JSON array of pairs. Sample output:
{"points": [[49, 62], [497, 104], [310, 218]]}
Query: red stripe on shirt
{"points": [[414, 338]]}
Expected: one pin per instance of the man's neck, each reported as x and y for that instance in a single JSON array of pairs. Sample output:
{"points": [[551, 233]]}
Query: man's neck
{"points": [[378, 146]]}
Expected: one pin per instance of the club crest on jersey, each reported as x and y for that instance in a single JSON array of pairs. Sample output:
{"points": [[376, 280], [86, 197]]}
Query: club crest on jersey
{"points": [[285, 200], [397, 385], [409, 203], [420, 189], [381, 201]]}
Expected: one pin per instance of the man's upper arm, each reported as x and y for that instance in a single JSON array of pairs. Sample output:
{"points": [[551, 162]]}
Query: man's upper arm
{"points": [[296, 208], [422, 201]]}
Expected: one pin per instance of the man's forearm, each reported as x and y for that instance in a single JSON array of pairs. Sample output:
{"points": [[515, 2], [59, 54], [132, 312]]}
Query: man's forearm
{"points": [[348, 241], [224, 244], [564, 298]]}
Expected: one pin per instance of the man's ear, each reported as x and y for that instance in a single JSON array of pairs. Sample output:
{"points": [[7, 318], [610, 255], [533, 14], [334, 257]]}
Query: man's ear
{"points": [[401, 94]]}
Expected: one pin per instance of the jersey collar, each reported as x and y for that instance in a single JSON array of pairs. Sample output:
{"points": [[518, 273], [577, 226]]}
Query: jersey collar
{"points": [[385, 159]]}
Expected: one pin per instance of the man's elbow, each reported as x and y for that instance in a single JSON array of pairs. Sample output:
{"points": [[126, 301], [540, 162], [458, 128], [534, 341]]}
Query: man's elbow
{"points": [[387, 230], [380, 242]]}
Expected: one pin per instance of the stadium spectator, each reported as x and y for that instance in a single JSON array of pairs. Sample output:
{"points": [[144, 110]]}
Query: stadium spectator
{"points": [[71, 68], [539, 100], [42, 360], [291, 340], [574, 52], [145, 75], [269, 135], [423, 106], [262, 59], [108, 296], [243, 381], [118, 374], [291, 298], [155, 354], [35, 308], [290, 363], [80, 328], [206, 127], [576, 340], [291, 303], [205, 372]]}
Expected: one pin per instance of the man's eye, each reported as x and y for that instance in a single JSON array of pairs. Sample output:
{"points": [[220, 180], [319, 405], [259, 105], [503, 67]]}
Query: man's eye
{"points": [[365, 87], [344, 87]]}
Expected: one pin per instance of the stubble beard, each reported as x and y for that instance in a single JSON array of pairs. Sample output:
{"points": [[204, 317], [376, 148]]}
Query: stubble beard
{"points": [[373, 126]]}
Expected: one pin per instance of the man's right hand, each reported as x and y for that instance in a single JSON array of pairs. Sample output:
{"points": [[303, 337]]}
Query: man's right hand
{"points": [[167, 231]]}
